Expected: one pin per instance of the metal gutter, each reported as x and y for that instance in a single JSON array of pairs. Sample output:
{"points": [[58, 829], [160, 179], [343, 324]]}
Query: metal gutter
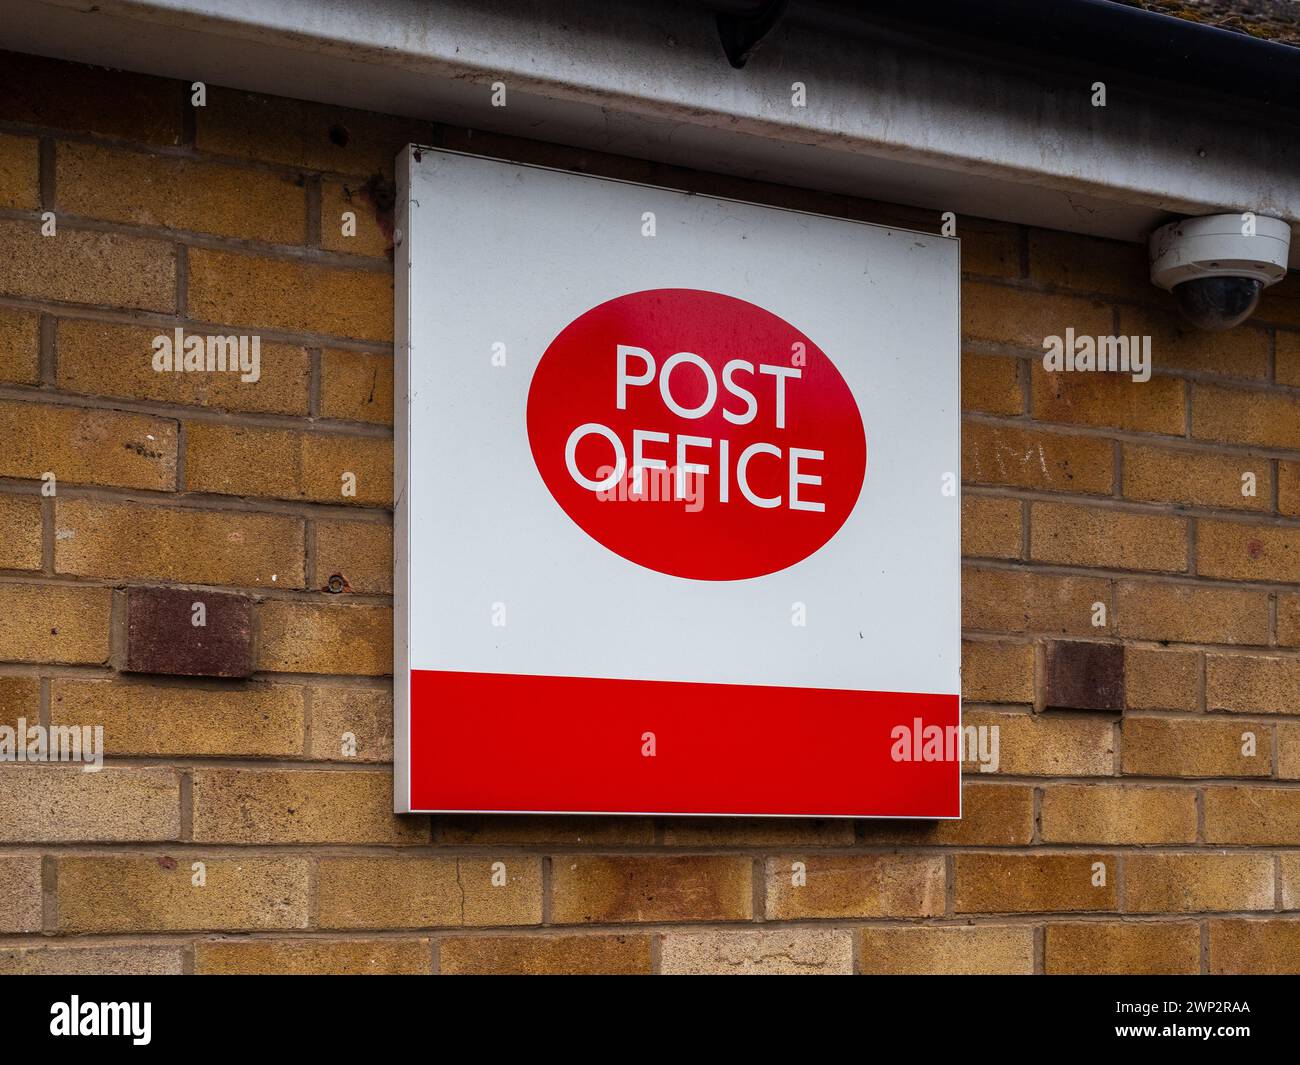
{"points": [[1094, 35], [908, 113]]}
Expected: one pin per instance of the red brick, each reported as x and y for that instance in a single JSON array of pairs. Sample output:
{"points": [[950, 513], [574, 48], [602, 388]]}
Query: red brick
{"points": [[162, 636], [1084, 675]]}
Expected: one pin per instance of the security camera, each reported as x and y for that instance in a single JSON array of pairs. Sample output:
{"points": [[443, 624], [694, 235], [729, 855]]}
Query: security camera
{"points": [[1217, 266]]}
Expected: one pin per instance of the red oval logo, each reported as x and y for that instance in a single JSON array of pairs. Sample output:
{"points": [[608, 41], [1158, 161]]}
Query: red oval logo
{"points": [[696, 434]]}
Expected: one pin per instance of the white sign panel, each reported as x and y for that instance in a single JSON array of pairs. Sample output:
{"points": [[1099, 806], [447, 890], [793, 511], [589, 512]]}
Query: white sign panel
{"points": [[677, 522]]}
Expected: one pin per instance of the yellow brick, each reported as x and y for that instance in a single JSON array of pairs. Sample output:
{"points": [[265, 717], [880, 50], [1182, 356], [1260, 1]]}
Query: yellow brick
{"points": [[1034, 883], [1234, 550], [1252, 684], [605, 889], [1016, 316], [19, 346], [141, 718], [1288, 488], [326, 638], [1246, 416], [430, 892], [19, 172], [19, 698], [290, 294], [1066, 744], [1089, 264], [1288, 620], [1259, 947], [327, 457], [1182, 747], [1024, 458], [1288, 358], [54, 623], [1182, 613], [87, 446], [777, 952], [1252, 815], [1288, 751], [92, 961], [293, 806], [158, 190], [1090, 948], [1198, 478], [237, 460], [992, 815], [61, 803], [1178, 345], [157, 893], [990, 528], [1290, 881], [991, 383], [1112, 399], [313, 957], [36, 91], [20, 532], [854, 885], [992, 249], [361, 552], [755, 832], [356, 386], [286, 464], [1100, 813], [308, 135], [109, 359], [1116, 539], [372, 221], [533, 955], [20, 893], [98, 539], [993, 672], [953, 950], [82, 266], [1161, 680], [1281, 302], [364, 713], [543, 831], [1194, 883], [1004, 600]]}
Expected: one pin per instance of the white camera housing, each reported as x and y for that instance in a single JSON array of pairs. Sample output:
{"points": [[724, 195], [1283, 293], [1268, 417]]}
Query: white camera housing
{"points": [[1217, 266]]}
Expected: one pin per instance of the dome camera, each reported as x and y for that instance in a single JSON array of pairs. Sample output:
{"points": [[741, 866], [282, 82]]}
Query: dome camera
{"points": [[1217, 266]]}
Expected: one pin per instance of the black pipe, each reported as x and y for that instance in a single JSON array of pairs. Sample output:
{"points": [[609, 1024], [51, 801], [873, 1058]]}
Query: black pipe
{"points": [[1097, 35]]}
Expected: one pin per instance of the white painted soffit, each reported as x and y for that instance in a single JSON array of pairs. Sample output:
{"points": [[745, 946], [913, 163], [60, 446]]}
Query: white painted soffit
{"points": [[649, 79]]}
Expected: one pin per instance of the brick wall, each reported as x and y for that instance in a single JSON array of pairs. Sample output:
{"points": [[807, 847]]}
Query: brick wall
{"points": [[1132, 835]]}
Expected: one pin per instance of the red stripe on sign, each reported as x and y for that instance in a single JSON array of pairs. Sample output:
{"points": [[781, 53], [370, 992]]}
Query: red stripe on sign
{"points": [[502, 742]]}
